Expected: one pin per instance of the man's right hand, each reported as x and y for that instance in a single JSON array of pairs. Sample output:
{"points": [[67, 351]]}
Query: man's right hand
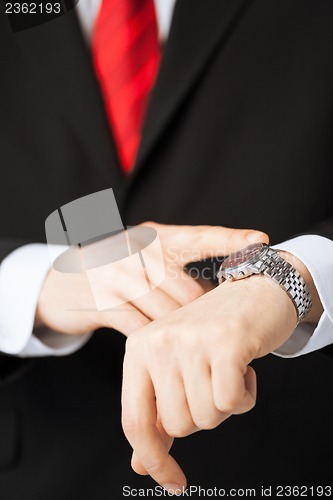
{"points": [[67, 305]]}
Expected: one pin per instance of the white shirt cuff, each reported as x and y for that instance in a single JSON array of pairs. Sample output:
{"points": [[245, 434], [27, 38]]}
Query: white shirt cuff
{"points": [[22, 274], [316, 252]]}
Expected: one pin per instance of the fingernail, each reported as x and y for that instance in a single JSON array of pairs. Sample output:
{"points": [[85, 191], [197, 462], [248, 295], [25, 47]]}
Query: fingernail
{"points": [[173, 489], [255, 237]]}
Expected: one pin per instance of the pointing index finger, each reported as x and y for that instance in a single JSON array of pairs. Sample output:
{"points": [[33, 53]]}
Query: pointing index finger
{"points": [[139, 416]]}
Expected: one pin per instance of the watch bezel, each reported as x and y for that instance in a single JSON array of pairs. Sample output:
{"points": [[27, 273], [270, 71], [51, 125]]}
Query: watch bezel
{"points": [[245, 269]]}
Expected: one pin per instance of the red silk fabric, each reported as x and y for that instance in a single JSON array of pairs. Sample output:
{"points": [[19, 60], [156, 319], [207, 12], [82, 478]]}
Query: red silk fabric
{"points": [[126, 57]]}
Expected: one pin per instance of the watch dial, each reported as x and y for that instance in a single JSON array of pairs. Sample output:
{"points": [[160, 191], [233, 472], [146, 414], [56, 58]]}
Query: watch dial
{"points": [[251, 252]]}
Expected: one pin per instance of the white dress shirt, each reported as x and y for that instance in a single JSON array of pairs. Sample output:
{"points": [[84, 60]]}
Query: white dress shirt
{"points": [[22, 273]]}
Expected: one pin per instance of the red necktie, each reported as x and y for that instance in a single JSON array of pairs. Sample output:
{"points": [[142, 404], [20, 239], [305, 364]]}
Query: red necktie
{"points": [[126, 56]]}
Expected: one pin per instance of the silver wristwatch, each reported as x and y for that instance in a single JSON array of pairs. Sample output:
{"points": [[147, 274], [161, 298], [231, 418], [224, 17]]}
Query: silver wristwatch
{"points": [[260, 258]]}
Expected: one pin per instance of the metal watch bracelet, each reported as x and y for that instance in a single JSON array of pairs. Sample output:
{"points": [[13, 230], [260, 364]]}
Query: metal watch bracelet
{"points": [[283, 273]]}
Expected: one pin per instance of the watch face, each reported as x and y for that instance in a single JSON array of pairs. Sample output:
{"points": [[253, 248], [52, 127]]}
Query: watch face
{"points": [[247, 254]]}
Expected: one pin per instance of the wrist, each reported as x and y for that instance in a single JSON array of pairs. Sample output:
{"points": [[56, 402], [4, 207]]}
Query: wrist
{"points": [[267, 311], [261, 259]]}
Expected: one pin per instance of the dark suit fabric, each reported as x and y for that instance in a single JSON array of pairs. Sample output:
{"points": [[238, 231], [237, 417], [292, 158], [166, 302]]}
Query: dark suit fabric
{"points": [[238, 133]]}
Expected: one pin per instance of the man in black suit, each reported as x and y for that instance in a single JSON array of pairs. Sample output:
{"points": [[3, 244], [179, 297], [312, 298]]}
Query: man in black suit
{"points": [[238, 134]]}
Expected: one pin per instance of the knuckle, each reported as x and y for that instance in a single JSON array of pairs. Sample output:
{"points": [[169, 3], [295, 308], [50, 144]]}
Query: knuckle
{"points": [[207, 423], [134, 425], [160, 341], [178, 431], [227, 404], [154, 467]]}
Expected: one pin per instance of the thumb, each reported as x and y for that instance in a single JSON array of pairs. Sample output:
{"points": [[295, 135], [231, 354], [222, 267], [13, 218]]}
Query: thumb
{"points": [[192, 243]]}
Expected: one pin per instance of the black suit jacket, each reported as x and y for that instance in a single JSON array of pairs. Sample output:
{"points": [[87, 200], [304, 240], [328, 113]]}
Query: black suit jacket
{"points": [[238, 133]]}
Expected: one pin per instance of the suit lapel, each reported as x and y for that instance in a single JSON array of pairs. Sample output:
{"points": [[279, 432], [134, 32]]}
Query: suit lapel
{"points": [[196, 30], [58, 48]]}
